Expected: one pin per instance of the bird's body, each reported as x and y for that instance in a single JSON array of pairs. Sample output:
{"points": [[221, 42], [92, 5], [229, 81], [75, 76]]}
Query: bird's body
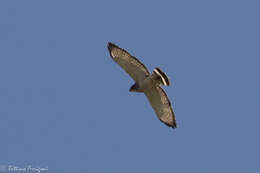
{"points": [[152, 80], [147, 83], [143, 85]]}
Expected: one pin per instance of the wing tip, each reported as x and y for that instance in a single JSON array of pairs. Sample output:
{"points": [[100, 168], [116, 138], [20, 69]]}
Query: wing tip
{"points": [[110, 47], [172, 125]]}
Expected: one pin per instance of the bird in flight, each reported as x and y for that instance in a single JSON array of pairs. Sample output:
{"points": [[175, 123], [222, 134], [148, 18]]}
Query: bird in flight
{"points": [[146, 83]]}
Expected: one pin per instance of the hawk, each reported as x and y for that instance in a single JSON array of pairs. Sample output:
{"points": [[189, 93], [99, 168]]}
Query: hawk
{"points": [[146, 83]]}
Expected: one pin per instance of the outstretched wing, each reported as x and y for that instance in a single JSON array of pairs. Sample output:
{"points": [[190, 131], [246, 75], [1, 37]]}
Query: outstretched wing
{"points": [[161, 105], [128, 62]]}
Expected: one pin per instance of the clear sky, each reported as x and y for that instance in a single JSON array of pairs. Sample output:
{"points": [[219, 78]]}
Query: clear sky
{"points": [[65, 105]]}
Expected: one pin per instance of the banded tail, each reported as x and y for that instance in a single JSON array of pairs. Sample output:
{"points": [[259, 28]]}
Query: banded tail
{"points": [[163, 78]]}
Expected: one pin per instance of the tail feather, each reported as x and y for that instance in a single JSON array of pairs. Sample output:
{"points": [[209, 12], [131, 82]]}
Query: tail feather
{"points": [[164, 79]]}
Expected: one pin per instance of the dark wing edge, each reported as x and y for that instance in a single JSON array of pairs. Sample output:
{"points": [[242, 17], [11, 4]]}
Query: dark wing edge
{"points": [[173, 125], [112, 46], [160, 99]]}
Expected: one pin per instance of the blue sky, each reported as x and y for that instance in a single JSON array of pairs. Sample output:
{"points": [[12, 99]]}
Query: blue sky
{"points": [[65, 105]]}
